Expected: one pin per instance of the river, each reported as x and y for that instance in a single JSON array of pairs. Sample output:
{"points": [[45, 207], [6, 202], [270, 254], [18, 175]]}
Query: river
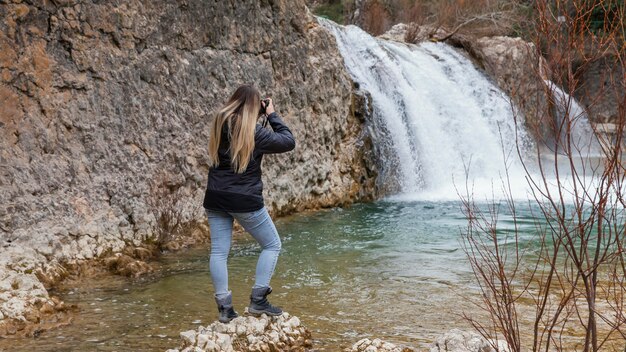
{"points": [[388, 269]]}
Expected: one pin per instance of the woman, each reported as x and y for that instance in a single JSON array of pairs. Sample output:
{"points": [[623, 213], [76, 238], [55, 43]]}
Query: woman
{"points": [[235, 191]]}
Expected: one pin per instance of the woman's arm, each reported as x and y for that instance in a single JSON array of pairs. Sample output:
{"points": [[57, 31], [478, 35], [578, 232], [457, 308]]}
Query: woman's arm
{"points": [[279, 141]]}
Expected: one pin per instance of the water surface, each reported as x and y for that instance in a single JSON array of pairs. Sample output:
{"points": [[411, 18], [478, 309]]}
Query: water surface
{"points": [[393, 270]]}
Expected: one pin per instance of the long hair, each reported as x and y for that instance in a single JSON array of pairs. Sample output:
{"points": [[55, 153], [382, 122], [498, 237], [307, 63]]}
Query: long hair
{"points": [[240, 115]]}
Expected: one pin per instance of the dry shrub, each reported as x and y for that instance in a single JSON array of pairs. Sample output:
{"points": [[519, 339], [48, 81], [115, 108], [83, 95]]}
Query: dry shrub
{"points": [[479, 17], [563, 288], [376, 17], [412, 33], [407, 11], [475, 17]]}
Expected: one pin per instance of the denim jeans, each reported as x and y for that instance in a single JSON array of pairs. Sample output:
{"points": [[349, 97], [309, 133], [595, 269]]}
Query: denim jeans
{"points": [[259, 224]]}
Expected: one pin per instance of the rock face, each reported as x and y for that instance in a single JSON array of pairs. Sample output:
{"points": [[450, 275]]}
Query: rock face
{"points": [[282, 333], [106, 105], [603, 89], [376, 345], [462, 341], [517, 68]]}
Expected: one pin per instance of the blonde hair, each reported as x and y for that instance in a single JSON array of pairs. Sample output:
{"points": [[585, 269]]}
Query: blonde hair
{"points": [[240, 114]]}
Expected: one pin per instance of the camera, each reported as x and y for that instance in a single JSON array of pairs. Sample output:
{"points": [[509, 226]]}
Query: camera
{"points": [[264, 104]]}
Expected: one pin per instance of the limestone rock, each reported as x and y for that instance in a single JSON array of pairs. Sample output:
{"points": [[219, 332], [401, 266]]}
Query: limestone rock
{"points": [[462, 341], [125, 265], [517, 67], [106, 105], [248, 333], [376, 345], [396, 33], [412, 33], [601, 88]]}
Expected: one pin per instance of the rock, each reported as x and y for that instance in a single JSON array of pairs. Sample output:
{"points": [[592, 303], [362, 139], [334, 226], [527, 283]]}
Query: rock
{"points": [[376, 345], [127, 266], [396, 33], [362, 104], [462, 341], [188, 337], [517, 67], [106, 105], [249, 333], [412, 33], [601, 88]]}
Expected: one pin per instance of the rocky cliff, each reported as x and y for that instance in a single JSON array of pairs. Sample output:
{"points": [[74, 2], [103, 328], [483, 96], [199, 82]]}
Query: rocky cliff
{"points": [[105, 115]]}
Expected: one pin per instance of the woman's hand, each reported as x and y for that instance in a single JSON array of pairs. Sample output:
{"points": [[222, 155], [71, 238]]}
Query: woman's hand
{"points": [[269, 109]]}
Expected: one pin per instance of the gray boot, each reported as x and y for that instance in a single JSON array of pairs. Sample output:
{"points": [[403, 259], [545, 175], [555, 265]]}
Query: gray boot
{"points": [[259, 303], [225, 308]]}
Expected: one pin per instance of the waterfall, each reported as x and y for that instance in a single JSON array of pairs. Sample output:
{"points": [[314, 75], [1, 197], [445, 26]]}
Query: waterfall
{"points": [[581, 135], [437, 119]]}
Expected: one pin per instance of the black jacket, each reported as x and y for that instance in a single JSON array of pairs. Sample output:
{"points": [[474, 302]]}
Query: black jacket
{"points": [[232, 192]]}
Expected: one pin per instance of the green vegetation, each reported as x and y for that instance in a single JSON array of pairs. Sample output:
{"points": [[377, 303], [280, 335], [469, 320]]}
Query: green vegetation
{"points": [[332, 11], [606, 15]]}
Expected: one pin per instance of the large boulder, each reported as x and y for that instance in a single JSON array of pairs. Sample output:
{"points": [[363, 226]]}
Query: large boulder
{"points": [[414, 34], [106, 109]]}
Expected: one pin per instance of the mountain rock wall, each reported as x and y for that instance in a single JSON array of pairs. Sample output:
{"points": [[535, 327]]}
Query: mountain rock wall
{"points": [[105, 114]]}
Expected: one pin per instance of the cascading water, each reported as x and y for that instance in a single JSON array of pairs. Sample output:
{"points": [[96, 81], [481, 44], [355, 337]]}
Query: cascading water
{"points": [[577, 126], [436, 118]]}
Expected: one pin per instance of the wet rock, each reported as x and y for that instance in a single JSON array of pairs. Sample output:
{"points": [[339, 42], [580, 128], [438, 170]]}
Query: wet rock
{"points": [[125, 265], [601, 88], [462, 341], [517, 67], [377, 345], [362, 104], [248, 333]]}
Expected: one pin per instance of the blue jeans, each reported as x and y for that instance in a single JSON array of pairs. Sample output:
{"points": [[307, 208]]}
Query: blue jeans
{"points": [[259, 224]]}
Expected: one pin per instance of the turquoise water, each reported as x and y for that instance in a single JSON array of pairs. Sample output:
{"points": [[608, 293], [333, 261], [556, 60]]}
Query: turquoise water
{"points": [[394, 270]]}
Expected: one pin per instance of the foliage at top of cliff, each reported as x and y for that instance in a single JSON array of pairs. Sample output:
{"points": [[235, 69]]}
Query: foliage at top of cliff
{"points": [[332, 10], [476, 17]]}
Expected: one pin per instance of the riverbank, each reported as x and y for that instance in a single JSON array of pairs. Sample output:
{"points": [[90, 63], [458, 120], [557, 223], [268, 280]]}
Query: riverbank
{"points": [[31, 306]]}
